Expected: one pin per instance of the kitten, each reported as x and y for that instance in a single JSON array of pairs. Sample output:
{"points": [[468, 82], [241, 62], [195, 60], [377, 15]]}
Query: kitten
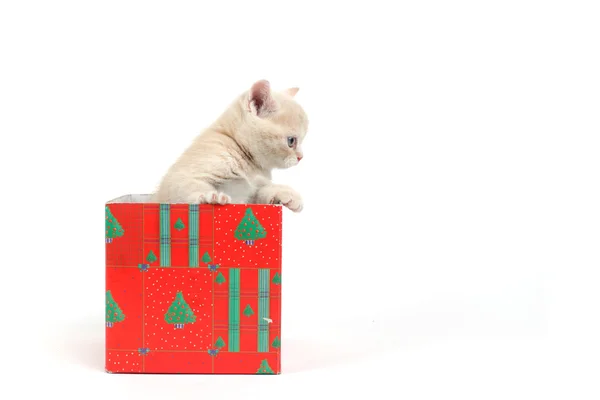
{"points": [[231, 161]]}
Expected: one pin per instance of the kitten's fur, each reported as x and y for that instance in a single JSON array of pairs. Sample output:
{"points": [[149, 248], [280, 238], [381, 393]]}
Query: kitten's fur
{"points": [[231, 161]]}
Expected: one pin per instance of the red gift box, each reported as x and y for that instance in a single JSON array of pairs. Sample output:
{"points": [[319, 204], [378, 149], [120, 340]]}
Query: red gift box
{"points": [[192, 288]]}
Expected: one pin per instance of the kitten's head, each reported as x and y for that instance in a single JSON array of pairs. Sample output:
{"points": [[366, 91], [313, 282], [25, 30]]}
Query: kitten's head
{"points": [[276, 124]]}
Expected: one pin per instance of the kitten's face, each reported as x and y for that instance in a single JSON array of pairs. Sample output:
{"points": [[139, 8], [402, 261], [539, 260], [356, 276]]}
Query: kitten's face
{"points": [[280, 125]]}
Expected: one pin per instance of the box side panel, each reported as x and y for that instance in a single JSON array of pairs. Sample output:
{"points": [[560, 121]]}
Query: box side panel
{"points": [[172, 362], [221, 310], [276, 282], [256, 257], [275, 310], [178, 309], [247, 363], [179, 234], [123, 234], [121, 361], [206, 242], [248, 236], [197, 289], [249, 312], [123, 284], [124, 308], [151, 235]]}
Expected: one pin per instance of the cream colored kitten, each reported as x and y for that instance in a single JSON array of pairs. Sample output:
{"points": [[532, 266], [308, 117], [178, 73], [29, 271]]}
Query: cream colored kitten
{"points": [[231, 161]]}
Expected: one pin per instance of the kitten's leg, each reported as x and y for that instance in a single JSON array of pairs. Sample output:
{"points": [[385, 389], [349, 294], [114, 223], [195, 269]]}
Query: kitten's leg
{"points": [[207, 194], [279, 194]]}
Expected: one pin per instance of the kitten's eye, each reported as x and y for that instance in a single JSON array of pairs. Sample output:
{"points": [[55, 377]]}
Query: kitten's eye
{"points": [[291, 141]]}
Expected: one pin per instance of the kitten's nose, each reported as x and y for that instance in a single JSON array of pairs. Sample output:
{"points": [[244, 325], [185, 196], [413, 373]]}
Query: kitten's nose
{"points": [[299, 158]]}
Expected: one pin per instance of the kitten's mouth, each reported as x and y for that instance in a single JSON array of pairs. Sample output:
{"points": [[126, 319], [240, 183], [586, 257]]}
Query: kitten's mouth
{"points": [[291, 162]]}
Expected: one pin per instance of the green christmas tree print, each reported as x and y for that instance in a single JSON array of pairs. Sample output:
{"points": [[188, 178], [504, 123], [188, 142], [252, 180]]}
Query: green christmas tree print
{"points": [[277, 279], [207, 259], [265, 368], [248, 311], [113, 311], [151, 257], [220, 278], [179, 224], [179, 313], [276, 343], [113, 229], [249, 229], [220, 343]]}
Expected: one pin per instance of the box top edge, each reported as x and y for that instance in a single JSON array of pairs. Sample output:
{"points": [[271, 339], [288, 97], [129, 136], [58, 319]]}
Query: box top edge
{"points": [[145, 198]]}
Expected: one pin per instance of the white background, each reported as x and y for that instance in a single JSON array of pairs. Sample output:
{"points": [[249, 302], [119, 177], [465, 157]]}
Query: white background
{"points": [[449, 245]]}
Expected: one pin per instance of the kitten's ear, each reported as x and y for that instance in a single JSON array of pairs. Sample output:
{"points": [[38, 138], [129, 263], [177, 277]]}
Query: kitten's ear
{"points": [[260, 100], [292, 91]]}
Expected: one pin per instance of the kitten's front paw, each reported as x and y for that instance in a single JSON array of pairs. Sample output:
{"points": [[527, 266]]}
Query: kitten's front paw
{"points": [[289, 198], [214, 198]]}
